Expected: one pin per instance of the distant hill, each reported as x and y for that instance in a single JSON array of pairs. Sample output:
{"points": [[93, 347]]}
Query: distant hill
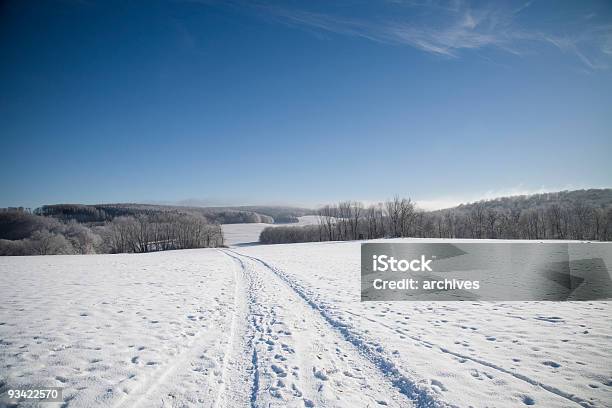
{"points": [[594, 198], [97, 213], [280, 214], [569, 215]]}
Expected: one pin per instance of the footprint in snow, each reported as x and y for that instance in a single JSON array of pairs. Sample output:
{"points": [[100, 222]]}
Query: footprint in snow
{"points": [[296, 391], [287, 348], [527, 400], [438, 384], [320, 374], [279, 371], [276, 393]]}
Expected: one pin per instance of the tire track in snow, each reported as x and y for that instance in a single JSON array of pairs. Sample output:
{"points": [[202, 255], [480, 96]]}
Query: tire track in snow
{"points": [[301, 361], [258, 318], [404, 385], [185, 364], [235, 381], [146, 390], [243, 377], [554, 390], [346, 330]]}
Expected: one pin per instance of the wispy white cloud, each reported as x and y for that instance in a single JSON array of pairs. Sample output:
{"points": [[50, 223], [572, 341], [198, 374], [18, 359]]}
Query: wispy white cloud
{"points": [[606, 47], [446, 28], [467, 30], [524, 6], [592, 46]]}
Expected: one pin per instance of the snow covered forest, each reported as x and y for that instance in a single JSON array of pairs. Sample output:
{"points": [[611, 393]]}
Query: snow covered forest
{"points": [[36, 235], [575, 215], [66, 229], [138, 228]]}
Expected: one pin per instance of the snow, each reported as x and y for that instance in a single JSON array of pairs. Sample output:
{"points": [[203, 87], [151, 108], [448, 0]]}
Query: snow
{"points": [[248, 234], [505, 353], [282, 325], [116, 330]]}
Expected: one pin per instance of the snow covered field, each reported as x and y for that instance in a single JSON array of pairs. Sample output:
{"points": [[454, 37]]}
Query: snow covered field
{"points": [[282, 325], [248, 234]]}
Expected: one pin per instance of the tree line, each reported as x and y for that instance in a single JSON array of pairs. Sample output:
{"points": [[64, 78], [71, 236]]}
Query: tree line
{"points": [[399, 217], [161, 232], [25, 233], [98, 213]]}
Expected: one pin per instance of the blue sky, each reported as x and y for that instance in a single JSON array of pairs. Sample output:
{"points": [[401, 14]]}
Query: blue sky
{"points": [[302, 102]]}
